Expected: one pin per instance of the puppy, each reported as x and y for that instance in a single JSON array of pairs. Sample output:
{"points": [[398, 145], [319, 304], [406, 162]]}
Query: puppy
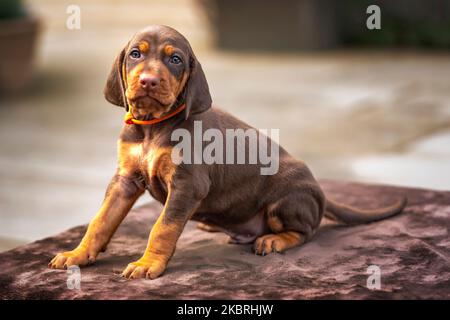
{"points": [[160, 82]]}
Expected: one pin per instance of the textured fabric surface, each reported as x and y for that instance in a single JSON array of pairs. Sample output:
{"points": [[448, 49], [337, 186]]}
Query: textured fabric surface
{"points": [[411, 249]]}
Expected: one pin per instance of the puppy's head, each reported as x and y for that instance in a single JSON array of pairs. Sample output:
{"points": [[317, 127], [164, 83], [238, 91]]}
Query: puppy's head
{"points": [[155, 73]]}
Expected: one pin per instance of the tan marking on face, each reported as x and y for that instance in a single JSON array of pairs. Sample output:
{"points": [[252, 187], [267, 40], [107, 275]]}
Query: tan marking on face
{"points": [[133, 75], [132, 80], [176, 85], [144, 46], [168, 50]]}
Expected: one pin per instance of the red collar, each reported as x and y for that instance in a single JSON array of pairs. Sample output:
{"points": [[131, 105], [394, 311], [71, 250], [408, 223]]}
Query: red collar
{"points": [[129, 119]]}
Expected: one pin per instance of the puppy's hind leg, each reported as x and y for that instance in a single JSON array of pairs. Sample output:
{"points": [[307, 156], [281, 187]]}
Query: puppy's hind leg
{"points": [[292, 220], [278, 242]]}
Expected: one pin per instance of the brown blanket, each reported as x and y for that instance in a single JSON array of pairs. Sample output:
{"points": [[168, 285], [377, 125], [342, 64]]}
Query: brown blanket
{"points": [[412, 251]]}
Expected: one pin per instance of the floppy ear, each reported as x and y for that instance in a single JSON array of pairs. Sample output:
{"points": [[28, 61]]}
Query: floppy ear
{"points": [[115, 87], [198, 98]]}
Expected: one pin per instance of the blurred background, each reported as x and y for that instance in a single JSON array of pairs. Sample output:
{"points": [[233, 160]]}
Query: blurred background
{"points": [[355, 104]]}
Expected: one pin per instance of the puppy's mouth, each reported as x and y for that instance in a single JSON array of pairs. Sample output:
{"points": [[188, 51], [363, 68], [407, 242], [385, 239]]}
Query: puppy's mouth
{"points": [[146, 106]]}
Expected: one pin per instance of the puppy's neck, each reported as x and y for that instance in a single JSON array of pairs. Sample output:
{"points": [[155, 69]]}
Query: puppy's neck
{"points": [[158, 132]]}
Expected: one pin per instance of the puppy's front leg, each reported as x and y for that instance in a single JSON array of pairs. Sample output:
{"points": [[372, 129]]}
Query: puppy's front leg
{"points": [[179, 207], [120, 196]]}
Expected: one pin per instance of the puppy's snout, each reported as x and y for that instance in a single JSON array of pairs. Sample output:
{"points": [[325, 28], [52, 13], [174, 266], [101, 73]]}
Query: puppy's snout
{"points": [[149, 81]]}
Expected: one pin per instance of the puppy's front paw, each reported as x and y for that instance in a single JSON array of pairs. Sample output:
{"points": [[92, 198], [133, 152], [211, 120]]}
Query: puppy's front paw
{"points": [[69, 258], [144, 268]]}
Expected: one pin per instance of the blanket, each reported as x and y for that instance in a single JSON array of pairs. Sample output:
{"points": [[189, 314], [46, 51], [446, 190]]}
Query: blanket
{"points": [[406, 256]]}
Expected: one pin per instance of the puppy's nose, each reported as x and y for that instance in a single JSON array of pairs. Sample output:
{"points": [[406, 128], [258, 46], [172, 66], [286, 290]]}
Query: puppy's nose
{"points": [[148, 80]]}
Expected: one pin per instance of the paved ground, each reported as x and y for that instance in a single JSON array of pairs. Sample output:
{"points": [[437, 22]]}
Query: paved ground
{"points": [[381, 116]]}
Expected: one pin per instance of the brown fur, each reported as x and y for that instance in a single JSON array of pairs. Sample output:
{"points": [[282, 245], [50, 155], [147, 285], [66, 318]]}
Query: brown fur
{"points": [[279, 211]]}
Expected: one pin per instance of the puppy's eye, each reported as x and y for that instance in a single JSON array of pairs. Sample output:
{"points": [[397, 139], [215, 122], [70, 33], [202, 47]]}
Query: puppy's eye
{"points": [[175, 59], [135, 54]]}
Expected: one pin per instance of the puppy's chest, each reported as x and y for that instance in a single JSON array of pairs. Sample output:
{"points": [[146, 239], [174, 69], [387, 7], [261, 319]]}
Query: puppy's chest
{"points": [[152, 162]]}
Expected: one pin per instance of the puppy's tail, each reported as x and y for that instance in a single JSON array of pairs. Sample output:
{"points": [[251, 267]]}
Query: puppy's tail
{"points": [[350, 215]]}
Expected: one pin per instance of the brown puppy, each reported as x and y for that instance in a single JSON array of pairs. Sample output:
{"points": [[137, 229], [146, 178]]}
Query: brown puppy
{"points": [[155, 74]]}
